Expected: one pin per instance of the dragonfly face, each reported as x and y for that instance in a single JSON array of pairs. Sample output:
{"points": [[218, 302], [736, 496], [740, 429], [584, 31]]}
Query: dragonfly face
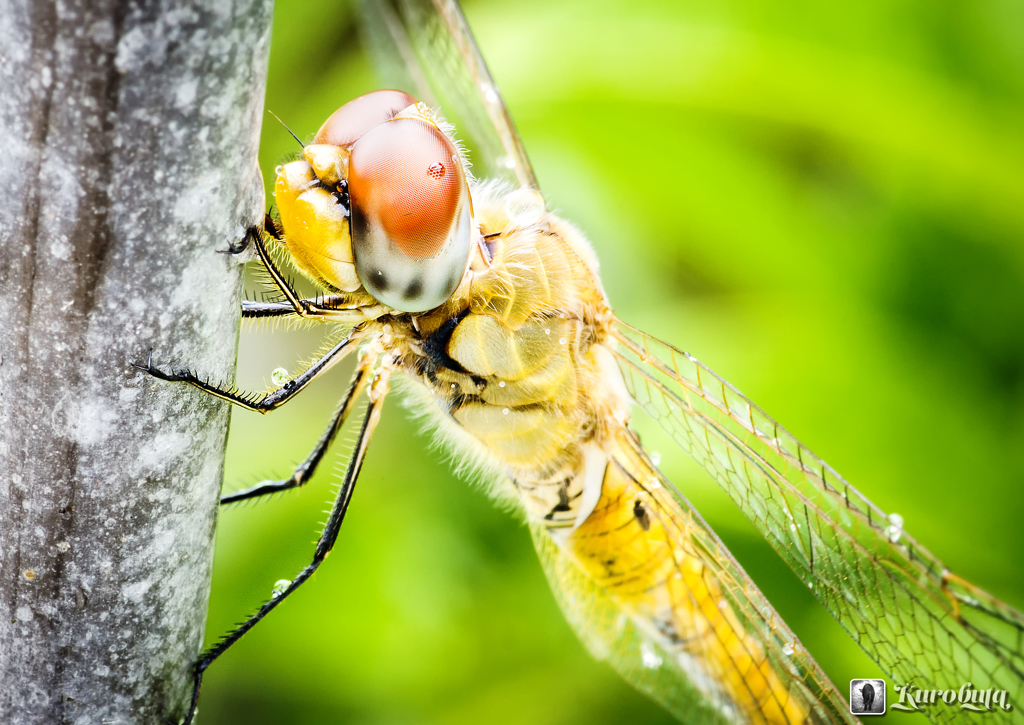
{"points": [[733, 656], [379, 205]]}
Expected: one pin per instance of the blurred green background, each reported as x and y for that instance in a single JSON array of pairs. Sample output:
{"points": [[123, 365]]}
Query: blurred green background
{"points": [[824, 202]]}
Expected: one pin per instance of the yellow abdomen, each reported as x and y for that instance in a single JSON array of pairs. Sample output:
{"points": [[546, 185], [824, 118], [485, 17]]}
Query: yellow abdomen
{"points": [[639, 546]]}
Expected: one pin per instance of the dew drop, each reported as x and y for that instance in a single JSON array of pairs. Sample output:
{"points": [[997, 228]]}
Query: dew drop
{"points": [[504, 411], [561, 341], [655, 458], [280, 586], [490, 92], [501, 384], [787, 649], [279, 377], [649, 657], [894, 530], [547, 332]]}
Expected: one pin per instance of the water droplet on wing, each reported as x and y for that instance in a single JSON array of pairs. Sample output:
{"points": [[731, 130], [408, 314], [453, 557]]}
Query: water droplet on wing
{"points": [[649, 656]]}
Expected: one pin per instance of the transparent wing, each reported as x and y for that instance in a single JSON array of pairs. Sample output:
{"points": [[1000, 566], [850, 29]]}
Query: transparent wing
{"points": [[425, 48], [674, 613], [920, 623]]}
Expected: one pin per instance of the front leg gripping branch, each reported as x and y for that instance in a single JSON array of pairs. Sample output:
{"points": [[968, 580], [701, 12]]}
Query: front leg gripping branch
{"points": [[261, 402]]}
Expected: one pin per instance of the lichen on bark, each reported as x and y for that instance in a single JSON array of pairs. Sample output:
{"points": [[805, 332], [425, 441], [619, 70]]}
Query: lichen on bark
{"points": [[128, 141]]}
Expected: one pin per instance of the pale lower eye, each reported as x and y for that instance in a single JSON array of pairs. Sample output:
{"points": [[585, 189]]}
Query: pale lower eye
{"points": [[411, 223]]}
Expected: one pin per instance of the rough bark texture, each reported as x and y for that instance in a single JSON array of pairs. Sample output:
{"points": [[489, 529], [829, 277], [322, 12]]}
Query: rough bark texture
{"points": [[128, 140]]}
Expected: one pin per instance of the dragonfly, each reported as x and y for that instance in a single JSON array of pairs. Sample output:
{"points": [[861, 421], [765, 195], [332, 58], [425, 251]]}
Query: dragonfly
{"points": [[491, 306]]}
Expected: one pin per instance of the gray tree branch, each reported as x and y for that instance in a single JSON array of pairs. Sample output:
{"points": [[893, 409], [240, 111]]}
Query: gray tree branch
{"points": [[128, 141]]}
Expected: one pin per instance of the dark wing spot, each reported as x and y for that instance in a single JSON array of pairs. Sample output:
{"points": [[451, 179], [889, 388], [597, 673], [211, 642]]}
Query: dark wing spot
{"points": [[641, 515], [414, 290]]}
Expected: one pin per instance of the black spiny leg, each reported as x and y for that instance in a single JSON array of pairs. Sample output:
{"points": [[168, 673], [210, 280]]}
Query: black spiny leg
{"points": [[335, 307], [261, 402], [297, 303], [305, 470], [254, 235], [240, 246], [253, 232], [378, 390]]}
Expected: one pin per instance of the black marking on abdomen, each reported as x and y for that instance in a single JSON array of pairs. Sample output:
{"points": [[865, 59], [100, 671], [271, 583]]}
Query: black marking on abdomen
{"points": [[641, 515]]}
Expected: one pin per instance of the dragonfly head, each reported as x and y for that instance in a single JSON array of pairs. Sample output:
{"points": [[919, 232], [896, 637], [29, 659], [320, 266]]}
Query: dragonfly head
{"points": [[380, 201]]}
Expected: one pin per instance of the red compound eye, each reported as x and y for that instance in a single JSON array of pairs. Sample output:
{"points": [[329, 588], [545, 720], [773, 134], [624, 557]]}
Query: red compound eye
{"points": [[348, 124], [400, 183]]}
